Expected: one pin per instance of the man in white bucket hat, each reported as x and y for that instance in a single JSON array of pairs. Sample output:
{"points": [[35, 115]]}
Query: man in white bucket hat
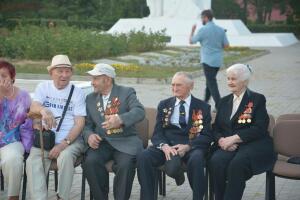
{"points": [[49, 100], [110, 134]]}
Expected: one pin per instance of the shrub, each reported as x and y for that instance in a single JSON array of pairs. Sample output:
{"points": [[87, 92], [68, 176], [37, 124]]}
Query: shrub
{"points": [[33, 42], [275, 28], [88, 24]]}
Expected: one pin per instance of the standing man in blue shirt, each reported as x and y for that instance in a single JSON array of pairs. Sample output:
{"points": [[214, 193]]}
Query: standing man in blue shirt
{"points": [[213, 40]]}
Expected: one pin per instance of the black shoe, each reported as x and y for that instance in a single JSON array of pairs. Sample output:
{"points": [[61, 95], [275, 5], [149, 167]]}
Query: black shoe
{"points": [[180, 179]]}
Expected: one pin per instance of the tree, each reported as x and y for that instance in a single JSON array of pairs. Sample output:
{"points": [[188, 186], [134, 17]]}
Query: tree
{"points": [[295, 10], [226, 9]]}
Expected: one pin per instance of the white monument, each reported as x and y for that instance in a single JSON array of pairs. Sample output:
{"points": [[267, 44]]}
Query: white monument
{"points": [[178, 16]]}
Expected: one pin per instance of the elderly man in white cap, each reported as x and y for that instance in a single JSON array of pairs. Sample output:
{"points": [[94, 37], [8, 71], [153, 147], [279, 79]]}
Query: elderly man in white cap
{"points": [[110, 134], [50, 99]]}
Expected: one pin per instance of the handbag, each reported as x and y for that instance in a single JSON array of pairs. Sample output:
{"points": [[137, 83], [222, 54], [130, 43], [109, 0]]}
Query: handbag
{"points": [[45, 139]]}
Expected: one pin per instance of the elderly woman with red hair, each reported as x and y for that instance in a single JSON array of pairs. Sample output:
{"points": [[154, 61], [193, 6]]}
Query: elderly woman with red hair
{"points": [[15, 129]]}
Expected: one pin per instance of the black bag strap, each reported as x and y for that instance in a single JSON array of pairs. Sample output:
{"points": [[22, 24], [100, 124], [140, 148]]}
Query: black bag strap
{"points": [[65, 108]]}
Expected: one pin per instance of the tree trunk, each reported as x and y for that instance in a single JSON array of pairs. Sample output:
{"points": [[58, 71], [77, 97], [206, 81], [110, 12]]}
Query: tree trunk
{"points": [[245, 13]]}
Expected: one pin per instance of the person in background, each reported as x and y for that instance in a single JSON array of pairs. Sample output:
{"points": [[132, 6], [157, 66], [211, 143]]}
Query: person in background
{"points": [[213, 40]]}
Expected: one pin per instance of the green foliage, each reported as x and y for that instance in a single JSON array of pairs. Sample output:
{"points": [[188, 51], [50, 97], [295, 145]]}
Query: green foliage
{"points": [[276, 28], [33, 42], [89, 24], [105, 11], [226, 9]]}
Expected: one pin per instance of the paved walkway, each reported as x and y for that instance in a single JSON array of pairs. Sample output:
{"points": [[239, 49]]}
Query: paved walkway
{"points": [[276, 75]]}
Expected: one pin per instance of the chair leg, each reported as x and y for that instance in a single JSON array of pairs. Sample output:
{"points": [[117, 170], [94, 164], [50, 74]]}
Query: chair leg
{"points": [[164, 184], [160, 183], [82, 187], [47, 179], [156, 183], [91, 195], [270, 186], [24, 183], [210, 187], [206, 182], [55, 180], [2, 180]]}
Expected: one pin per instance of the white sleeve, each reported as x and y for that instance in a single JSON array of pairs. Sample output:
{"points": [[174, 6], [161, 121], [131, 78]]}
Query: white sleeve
{"points": [[39, 93], [79, 106]]}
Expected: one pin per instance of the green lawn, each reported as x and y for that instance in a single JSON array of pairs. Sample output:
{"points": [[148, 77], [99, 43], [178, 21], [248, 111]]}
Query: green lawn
{"points": [[145, 71]]}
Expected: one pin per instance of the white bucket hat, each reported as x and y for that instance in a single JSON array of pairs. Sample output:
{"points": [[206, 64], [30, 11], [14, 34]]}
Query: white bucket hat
{"points": [[60, 61], [102, 69]]}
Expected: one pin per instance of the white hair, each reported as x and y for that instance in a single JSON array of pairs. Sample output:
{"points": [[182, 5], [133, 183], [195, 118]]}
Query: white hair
{"points": [[242, 71], [188, 77]]}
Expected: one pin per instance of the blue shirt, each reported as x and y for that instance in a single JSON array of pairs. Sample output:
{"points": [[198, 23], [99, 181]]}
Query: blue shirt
{"points": [[212, 39]]}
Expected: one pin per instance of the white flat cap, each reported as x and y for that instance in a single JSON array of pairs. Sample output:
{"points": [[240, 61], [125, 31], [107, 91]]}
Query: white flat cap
{"points": [[102, 69]]}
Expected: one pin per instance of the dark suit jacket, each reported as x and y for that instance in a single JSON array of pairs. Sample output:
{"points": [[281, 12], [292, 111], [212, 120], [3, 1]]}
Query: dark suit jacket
{"points": [[173, 135], [257, 144], [131, 111]]}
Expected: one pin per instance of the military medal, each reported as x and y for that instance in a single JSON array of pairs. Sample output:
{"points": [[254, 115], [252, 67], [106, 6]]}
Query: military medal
{"points": [[246, 115], [197, 125], [167, 113], [112, 108]]}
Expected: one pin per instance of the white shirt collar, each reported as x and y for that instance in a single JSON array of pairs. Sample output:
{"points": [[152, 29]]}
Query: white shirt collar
{"points": [[187, 100], [106, 97], [235, 97]]}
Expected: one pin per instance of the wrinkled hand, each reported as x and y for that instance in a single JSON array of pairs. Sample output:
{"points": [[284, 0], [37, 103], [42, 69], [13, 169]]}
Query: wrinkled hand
{"points": [[112, 121], [168, 151], [48, 119], [37, 124], [182, 149], [227, 142], [5, 86], [94, 141], [56, 150], [232, 148]]}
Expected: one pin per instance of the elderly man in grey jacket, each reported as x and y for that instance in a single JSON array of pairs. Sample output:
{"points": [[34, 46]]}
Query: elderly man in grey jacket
{"points": [[110, 134]]}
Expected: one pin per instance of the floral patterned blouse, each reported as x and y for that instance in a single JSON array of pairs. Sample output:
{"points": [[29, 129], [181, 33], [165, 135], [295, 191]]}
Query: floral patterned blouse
{"points": [[14, 124]]}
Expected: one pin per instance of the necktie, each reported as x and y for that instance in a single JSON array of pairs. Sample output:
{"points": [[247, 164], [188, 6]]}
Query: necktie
{"points": [[182, 121]]}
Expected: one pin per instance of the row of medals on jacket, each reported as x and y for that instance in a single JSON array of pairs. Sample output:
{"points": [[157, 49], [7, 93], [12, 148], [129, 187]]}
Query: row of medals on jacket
{"points": [[103, 114]]}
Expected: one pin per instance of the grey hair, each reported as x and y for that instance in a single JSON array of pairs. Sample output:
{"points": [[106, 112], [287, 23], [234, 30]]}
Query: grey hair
{"points": [[243, 71], [188, 77]]}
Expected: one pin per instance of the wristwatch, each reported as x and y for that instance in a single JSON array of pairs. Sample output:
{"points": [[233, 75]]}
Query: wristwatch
{"points": [[161, 145], [67, 141]]}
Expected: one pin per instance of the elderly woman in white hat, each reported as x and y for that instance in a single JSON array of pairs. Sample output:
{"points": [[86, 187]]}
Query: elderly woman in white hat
{"points": [[244, 147]]}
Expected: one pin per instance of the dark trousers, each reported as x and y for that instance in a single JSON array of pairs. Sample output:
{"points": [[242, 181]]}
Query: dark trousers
{"points": [[151, 158], [211, 83], [98, 177], [229, 171]]}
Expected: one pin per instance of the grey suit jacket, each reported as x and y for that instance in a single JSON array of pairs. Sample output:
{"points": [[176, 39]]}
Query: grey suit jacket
{"points": [[131, 111]]}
